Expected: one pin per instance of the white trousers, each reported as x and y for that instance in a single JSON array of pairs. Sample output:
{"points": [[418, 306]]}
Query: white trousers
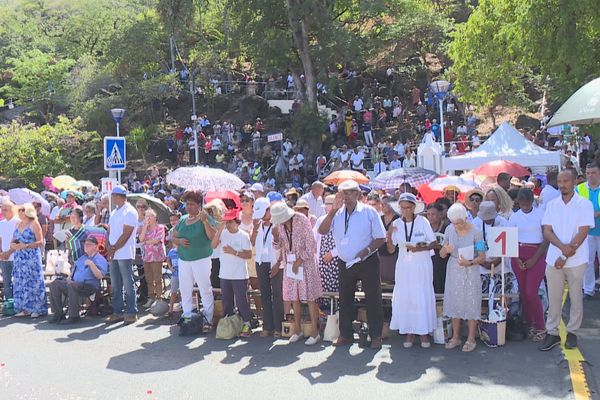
{"points": [[197, 271], [368, 138], [589, 279]]}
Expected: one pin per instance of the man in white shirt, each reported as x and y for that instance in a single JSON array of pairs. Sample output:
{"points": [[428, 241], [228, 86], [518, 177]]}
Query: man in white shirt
{"points": [[550, 191], [357, 104], [356, 160], [121, 253], [566, 224], [400, 149], [344, 154], [314, 198], [358, 233], [287, 147], [335, 154], [7, 229], [379, 166], [396, 163], [270, 275]]}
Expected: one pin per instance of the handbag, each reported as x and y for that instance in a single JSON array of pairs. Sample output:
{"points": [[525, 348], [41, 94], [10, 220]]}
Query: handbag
{"points": [[492, 331], [229, 327], [332, 328]]}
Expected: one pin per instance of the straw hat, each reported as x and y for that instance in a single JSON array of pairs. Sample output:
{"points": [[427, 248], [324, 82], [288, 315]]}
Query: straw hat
{"points": [[280, 213], [302, 203], [468, 195]]}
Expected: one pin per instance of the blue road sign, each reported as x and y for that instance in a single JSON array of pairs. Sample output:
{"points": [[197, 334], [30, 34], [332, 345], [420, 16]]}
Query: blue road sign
{"points": [[114, 153]]}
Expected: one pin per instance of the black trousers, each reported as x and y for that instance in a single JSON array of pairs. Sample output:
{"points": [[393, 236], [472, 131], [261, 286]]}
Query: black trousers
{"points": [[368, 273]]}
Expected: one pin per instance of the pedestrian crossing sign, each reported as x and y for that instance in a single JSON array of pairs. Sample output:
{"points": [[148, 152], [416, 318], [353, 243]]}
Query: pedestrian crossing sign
{"points": [[114, 153]]}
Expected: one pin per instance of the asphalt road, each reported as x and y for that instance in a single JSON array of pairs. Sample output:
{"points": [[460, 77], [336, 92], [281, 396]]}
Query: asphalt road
{"points": [[148, 360]]}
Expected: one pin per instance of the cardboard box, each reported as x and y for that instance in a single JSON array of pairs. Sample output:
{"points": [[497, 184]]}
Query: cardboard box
{"points": [[307, 328]]}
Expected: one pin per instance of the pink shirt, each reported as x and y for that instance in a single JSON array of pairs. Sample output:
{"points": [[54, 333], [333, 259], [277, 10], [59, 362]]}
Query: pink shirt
{"points": [[155, 252]]}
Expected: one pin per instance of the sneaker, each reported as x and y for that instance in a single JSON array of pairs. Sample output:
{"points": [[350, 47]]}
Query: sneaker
{"points": [[177, 307], [571, 341], [246, 330], [149, 303], [35, 315], [550, 342], [295, 337], [311, 341]]}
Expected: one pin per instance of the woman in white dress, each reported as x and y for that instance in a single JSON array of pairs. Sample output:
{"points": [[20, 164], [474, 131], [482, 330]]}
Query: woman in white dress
{"points": [[413, 300]]}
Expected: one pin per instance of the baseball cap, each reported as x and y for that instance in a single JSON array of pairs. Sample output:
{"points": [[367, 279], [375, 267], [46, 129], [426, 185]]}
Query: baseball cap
{"points": [[119, 190], [274, 196], [257, 187], [260, 208]]}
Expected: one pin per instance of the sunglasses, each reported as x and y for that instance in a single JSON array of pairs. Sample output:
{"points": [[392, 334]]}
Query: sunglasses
{"points": [[21, 210]]}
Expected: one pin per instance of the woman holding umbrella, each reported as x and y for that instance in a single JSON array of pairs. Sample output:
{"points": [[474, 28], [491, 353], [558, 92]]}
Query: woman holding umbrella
{"points": [[193, 235]]}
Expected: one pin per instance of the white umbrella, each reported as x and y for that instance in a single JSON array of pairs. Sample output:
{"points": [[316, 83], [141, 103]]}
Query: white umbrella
{"points": [[204, 179], [24, 195], [462, 183]]}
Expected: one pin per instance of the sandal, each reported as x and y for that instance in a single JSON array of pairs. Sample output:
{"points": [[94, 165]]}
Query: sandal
{"points": [[453, 343], [538, 336], [469, 346]]}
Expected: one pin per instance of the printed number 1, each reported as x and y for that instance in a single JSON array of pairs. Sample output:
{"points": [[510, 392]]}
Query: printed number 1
{"points": [[502, 237]]}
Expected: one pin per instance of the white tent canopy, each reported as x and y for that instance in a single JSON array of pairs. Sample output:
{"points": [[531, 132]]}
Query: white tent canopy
{"points": [[506, 143]]}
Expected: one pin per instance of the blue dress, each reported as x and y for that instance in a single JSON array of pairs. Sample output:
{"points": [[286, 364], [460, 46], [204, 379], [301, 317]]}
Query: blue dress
{"points": [[28, 276]]}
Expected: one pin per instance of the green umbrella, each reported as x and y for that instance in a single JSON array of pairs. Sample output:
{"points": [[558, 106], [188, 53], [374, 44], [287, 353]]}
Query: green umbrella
{"points": [[161, 209], [582, 108]]}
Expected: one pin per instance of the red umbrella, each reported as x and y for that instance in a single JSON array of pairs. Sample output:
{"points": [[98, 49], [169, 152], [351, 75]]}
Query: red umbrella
{"points": [[429, 195], [494, 168]]}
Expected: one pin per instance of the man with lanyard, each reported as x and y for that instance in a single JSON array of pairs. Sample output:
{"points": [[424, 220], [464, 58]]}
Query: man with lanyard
{"points": [[566, 224], [591, 190], [84, 281], [358, 233]]}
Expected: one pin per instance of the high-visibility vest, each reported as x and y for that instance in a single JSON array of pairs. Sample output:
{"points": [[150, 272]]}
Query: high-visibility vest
{"points": [[584, 191]]}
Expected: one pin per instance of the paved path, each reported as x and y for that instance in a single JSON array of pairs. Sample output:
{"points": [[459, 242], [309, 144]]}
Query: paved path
{"points": [[149, 360]]}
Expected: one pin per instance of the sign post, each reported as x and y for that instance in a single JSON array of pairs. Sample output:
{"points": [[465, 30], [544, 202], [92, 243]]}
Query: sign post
{"points": [[503, 242], [106, 187], [115, 156]]}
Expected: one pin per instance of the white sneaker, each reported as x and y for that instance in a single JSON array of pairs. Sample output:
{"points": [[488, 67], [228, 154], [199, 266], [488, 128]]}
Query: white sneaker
{"points": [[177, 307], [295, 337], [148, 303], [311, 341], [35, 315]]}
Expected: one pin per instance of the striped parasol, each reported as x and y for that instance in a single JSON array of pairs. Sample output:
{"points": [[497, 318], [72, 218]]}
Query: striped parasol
{"points": [[396, 177]]}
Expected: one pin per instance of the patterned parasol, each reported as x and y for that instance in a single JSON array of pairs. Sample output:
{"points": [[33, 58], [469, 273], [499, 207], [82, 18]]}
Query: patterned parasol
{"points": [[396, 177], [204, 179]]}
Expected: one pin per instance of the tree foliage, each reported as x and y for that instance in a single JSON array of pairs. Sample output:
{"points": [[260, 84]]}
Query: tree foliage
{"points": [[47, 150]]}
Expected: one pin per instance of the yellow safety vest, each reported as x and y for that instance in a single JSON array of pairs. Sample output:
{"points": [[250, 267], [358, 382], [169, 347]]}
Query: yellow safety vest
{"points": [[584, 191]]}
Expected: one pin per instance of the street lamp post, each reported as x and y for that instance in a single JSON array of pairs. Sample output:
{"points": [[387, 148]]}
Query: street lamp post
{"points": [[440, 89], [117, 116]]}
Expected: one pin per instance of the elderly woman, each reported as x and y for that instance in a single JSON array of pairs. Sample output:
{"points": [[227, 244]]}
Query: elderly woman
{"points": [[413, 300], [89, 214], [293, 239], [387, 259], [247, 225], [462, 294], [530, 266], [28, 277], [193, 235], [327, 256], [501, 199], [152, 240]]}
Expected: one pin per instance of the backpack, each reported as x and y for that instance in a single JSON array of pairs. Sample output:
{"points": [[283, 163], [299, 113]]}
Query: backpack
{"points": [[192, 326], [229, 327]]}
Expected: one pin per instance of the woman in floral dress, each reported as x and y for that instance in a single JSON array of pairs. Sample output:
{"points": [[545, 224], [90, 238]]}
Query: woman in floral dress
{"points": [[28, 276], [327, 257], [295, 244]]}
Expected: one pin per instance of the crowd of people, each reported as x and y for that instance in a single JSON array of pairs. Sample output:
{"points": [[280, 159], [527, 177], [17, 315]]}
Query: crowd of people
{"points": [[295, 249]]}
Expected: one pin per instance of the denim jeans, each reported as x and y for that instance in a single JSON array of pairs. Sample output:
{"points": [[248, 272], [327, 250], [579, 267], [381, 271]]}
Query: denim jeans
{"points": [[121, 277], [7, 267]]}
